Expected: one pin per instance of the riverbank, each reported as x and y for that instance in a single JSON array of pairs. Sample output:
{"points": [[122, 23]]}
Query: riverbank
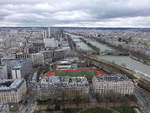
{"points": [[140, 60]]}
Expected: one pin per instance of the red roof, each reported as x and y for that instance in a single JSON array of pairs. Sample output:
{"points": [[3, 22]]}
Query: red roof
{"points": [[50, 74], [76, 70], [98, 72]]}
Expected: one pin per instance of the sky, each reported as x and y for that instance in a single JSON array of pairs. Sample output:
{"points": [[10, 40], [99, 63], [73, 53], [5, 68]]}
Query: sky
{"points": [[75, 13]]}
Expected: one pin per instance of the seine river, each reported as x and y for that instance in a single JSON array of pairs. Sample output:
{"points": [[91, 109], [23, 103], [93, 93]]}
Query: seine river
{"points": [[120, 60]]}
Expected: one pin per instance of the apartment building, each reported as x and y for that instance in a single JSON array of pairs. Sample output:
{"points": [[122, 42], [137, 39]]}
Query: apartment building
{"points": [[58, 87], [112, 84], [4, 108], [12, 91]]}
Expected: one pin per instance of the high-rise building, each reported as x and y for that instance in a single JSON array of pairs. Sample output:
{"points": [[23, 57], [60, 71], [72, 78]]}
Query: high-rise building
{"points": [[49, 32]]}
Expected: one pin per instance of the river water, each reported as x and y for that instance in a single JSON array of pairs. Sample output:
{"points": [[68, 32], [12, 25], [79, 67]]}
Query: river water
{"points": [[125, 61], [80, 44]]}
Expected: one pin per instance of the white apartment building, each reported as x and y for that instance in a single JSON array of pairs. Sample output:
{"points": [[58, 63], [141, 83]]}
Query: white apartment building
{"points": [[12, 91], [4, 108], [112, 84], [58, 87]]}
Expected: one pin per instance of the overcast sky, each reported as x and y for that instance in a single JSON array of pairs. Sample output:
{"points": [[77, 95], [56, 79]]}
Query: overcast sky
{"points": [[82, 13]]}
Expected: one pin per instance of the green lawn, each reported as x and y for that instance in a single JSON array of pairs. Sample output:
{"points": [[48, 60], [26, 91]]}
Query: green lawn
{"points": [[92, 110], [73, 110], [88, 74], [97, 110], [37, 111], [124, 109]]}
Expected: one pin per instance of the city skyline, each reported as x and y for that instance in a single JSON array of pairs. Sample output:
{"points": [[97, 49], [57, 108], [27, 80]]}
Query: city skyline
{"points": [[81, 13], [81, 67]]}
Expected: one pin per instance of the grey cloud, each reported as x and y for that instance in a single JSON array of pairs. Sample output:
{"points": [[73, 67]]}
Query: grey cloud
{"points": [[74, 12]]}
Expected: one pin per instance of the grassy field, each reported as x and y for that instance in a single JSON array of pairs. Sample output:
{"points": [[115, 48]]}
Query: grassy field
{"points": [[97, 110], [88, 74], [71, 110], [37, 111], [124, 109], [91, 110]]}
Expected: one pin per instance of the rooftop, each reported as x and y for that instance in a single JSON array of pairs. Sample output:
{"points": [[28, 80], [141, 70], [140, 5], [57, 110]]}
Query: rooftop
{"points": [[16, 63], [9, 85], [64, 62], [64, 81], [116, 77]]}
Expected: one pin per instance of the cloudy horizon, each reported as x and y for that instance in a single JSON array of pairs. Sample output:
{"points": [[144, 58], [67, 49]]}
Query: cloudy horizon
{"points": [[75, 13]]}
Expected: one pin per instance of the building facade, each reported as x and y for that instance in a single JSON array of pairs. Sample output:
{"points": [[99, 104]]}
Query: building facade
{"points": [[50, 43], [37, 59], [24, 64], [3, 72], [61, 88], [12, 91], [48, 56], [112, 84], [23, 69], [4, 108]]}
